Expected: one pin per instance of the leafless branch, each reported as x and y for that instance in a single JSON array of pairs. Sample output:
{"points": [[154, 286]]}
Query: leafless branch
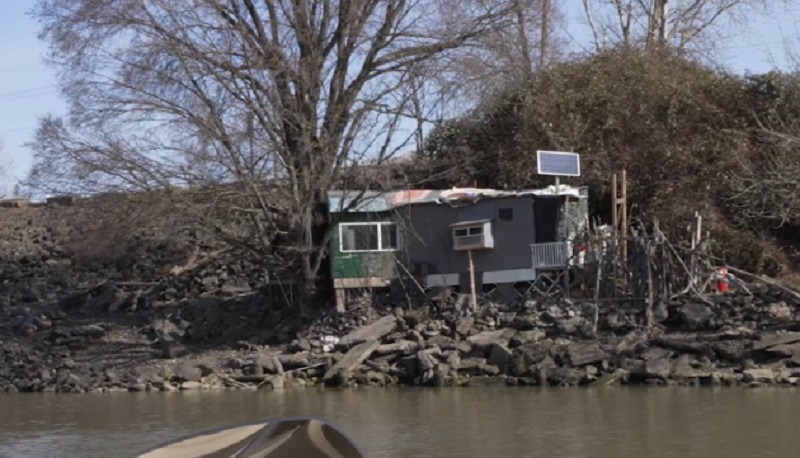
{"points": [[692, 25], [766, 189]]}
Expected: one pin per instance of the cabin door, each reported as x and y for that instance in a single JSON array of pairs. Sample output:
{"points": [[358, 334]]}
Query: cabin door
{"points": [[547, 218]]}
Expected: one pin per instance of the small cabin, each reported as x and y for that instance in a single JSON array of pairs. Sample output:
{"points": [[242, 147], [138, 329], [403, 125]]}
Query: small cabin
{"points": [[428, 234]]}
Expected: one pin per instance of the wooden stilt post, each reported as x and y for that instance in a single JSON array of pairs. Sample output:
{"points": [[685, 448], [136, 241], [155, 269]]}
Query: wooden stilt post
{"points": [[614, 203], [340, 300], [473, 297]]}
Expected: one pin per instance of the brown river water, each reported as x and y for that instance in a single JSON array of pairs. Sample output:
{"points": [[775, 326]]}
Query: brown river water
{"points": [[500, 422]]}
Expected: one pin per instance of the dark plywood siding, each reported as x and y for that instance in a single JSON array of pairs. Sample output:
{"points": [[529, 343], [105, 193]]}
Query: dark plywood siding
{"points": [[428, 241]]}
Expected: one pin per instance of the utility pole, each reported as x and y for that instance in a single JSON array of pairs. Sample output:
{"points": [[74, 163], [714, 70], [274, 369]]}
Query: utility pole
{"points": [[663, 26], [544, 39]]}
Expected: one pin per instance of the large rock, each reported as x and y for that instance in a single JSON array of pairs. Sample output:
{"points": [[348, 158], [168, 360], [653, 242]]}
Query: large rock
{"points": [[524, 322], [787, 350], [656, 364], [500, 356], [405, 347], [731, 350], [685, 367], [464, 325], [780, 312], [428, 364], [189, 373], [171, 349], [695, 316], [565, 376], [758, 375], [269, 364], [771, 339], [294, 361], [633, 343], [443, 342], [352, 359], [658, 368], [485, 340], [661, 312], [372, 332], [682, 342], [527, 337], [582, 354]]}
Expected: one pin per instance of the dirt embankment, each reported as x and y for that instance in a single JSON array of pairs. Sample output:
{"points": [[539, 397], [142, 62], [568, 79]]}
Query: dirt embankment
{"points": [[50, 251]]}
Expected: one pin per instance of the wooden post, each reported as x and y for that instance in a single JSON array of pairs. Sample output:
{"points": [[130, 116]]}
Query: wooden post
{"points": [[473, 297], [601, 258], [663, 268], [615, 234], [624, 216], [614, 203], [340, 300], [650, 299], [697, 235], [619, 218], [619, 209]]}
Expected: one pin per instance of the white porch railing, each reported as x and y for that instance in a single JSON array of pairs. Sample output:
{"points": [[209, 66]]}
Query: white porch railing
{"points": [[550, 255]]}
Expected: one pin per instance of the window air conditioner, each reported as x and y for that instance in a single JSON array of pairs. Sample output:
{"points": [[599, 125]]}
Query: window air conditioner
{"points": [[472, 235]]}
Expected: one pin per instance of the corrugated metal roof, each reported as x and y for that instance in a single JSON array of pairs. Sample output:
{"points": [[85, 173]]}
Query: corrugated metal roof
{"points": [[367, 202], [374, 201]]}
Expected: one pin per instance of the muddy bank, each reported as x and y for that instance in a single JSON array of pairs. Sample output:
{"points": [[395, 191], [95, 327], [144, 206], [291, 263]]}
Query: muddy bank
{"points": [[251, 342]]}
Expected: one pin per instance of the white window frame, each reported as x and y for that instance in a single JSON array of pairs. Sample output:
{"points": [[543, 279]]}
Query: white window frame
{"points": [[380, 236]]}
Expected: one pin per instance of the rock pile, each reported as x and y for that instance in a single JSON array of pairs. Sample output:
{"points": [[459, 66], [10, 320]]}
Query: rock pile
{"points": [[735, 339], [738, 339]]}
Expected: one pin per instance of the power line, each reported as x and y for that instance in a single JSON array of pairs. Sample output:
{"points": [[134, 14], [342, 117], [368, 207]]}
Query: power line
{"points": [[17, 129], [27, 96], [24, 93]]}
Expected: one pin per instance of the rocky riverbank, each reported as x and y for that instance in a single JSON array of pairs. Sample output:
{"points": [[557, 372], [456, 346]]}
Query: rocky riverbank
{"points": [[179, 312], [247, 342]]}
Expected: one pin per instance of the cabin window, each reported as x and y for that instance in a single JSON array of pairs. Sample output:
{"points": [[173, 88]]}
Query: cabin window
{"points": [[368, 237], [388, 238], [505, 214]]}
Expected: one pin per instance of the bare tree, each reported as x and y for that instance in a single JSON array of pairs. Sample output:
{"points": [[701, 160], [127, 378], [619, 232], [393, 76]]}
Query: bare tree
{"points": [[263, 105], [766, 189], [527, 42], [694, 25], [5, 174]]}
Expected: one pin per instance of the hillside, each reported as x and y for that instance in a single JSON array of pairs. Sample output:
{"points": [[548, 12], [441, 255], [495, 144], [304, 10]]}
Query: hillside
{"points": [[50, 250]]}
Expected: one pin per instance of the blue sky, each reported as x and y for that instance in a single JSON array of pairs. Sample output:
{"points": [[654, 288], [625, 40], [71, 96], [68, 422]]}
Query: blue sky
{"points": [[27, 86], [28, 91]]}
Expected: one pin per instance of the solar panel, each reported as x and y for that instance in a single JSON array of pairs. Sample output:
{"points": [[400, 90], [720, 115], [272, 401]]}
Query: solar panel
{"points": [[558, 163]]}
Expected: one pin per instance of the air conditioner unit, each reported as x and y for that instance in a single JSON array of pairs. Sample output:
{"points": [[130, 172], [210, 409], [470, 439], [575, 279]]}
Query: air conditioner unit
{"points": [[472, 235]]}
